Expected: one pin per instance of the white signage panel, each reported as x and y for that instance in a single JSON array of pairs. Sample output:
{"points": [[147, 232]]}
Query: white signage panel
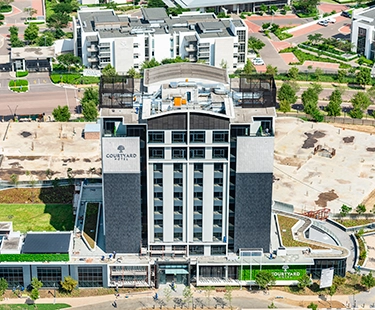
{"points": [[326, 278], [121, 155]]}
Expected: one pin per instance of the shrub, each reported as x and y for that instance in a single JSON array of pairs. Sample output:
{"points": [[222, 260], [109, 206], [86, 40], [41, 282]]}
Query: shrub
{"points": [[5, 8], [34, 257], [21, 73]]}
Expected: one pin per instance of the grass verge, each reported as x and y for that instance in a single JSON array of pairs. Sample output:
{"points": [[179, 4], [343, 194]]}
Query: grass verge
{"points": [[89, 230], [38, 217], [34, 258], [39, 306], [353, 223]]}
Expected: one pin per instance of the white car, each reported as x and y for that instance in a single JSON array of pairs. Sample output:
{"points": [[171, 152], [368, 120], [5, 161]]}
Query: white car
{"points": [[258, 62], [323, 22], [331, 20]]}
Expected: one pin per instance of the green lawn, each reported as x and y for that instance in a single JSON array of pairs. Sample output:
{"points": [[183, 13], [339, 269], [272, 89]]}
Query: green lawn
{"points": [[356, 222], [38, 217], [40, 306]]}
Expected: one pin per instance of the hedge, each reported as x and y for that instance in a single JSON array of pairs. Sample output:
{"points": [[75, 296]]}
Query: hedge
{"points": [[73, 78], [13, 83], [34, 257], [5, 8], [21, 73], [338, 55], [18, 89]]}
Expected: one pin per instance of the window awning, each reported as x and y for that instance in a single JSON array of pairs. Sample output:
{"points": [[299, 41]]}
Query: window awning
{"points": [[176, 271]]}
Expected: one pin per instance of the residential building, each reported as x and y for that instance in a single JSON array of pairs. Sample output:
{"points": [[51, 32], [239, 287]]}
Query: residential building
{"points": [[363, 32], [102, 38], [225, 6]]}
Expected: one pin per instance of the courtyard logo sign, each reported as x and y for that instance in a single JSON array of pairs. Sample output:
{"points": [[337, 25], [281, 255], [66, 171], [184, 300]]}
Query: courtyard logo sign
{"points": [[286, 274], [122, 155]]}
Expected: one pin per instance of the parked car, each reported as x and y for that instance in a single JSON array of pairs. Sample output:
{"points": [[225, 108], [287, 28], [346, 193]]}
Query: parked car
{"points": [[258, 62], [323, 22], [346, 14], [331, 20]]}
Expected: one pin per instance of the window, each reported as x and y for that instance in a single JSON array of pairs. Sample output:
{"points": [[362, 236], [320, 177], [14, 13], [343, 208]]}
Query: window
{"points": [[217, 236], [158, 195], [178, 136], [158, 167], [177, 181], [218, 152], [178, 222], [218, 222], [158, 236], [49, 276], [156, 153], [178, 209], [218, 195], [241, 35], [218, 181], [219, 136], [198, 195], [158, 209], [177, 167], [239, 131], [218, 209], [198, 222], [177, 195], [198, 181], [178, 153], [218, 250], [177, 236], [196, 250], [156, 137], [198, 167], [135, 45], [90, 277], [13, 275], [158, 181], [158, 223], [198, 209], [218, 167], [197, 236], [197, 137], [198, 152]]}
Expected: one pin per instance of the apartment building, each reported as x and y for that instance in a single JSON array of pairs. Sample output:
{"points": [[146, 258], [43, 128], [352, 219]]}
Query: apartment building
{"points": [[363, 33], [102, 38]]}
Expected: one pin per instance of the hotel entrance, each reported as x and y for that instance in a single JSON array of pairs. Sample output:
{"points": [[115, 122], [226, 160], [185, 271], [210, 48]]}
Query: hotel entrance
{"points": [[168, 273]]}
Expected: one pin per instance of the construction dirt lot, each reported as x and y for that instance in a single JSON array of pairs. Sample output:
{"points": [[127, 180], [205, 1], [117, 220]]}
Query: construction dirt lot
{"points": [[316, 165]]}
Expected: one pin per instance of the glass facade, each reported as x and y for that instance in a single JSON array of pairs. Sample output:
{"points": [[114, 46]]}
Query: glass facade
{"points": [[90, 276], [361, 43], [49, 276], [315, 270], [13, 275]]}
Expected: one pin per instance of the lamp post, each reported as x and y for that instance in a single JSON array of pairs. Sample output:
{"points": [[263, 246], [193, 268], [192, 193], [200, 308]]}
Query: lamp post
{"points": [[54, 293]]}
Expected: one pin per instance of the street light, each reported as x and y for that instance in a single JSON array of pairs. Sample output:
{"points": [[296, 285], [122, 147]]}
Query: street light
{"points": [[54, 293]]}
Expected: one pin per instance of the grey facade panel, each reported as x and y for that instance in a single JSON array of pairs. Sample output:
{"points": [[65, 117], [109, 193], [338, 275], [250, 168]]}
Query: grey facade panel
{"points": [[165, 122], [122, 209], [253, 205], [205, 121]]}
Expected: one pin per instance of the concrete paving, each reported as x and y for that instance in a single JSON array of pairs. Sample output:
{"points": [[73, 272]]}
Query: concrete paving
{"points": [[302, 176]]}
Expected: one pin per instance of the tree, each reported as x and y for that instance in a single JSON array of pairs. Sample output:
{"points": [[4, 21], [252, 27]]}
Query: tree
{"points": [[318, 73], [315, 38], [223, 64], [273, 9], [360, 209], [272, 306], [312, 306], [46, 39], [228, 295], [341, 75], [134, 73], [265, 279], [13, 30], [36, 284], [293, 73], [271, 70], [255, 44], [30, 11], [248, 68], [69, 284], [368, 281], [178, 59], [31, 33], [147, 64], [58, 20], [155, 4], [91, 94], [5, 2], [338, 281], [66, 6], [360, 101], [61, 114], [345, 210], [287, 93], [284, 106], [334, 106], [49, 173], [332, 291], [3, 286], [363, 76], [90, 111], [208, 291], [167, 293], [318, 88], [310, 103], [263, 8], [34, 294], [14, 179], [187, 295], [68, 60], [108, 70], [304, 281]]}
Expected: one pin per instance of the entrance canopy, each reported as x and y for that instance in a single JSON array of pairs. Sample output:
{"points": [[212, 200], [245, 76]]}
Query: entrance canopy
{"points": [[176, 271]]}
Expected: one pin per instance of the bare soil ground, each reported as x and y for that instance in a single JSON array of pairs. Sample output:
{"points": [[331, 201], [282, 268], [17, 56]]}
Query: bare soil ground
{"points": [[360, 128], [325, 197]]}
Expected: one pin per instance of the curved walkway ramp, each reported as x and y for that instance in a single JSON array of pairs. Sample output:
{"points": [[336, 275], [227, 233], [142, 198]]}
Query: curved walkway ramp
{"points": [[185, 71], [336, 251]]}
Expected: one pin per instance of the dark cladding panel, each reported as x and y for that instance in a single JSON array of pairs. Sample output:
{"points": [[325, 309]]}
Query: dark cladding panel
{"points": [[205, 121], [253, 211], [166, 122], [122, 205]]}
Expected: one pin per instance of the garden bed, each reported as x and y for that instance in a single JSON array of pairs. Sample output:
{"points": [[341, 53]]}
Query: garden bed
{"points": [[73, 78], [361, 251], [34, 257], [89, 228], [355, 222], [19, 85], [21, 73], [341, 55]]}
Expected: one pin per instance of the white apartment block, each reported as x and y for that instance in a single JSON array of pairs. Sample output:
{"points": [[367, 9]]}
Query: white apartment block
{"points": [[102, 38], [363, 33]]}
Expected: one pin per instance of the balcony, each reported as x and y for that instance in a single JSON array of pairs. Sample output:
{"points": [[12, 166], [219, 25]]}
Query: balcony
{"points": [[190, 48], [92, 48], [92, 59]]}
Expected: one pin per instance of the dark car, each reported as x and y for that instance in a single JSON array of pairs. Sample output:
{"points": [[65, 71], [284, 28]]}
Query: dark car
{"points": [[346, 14]]}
